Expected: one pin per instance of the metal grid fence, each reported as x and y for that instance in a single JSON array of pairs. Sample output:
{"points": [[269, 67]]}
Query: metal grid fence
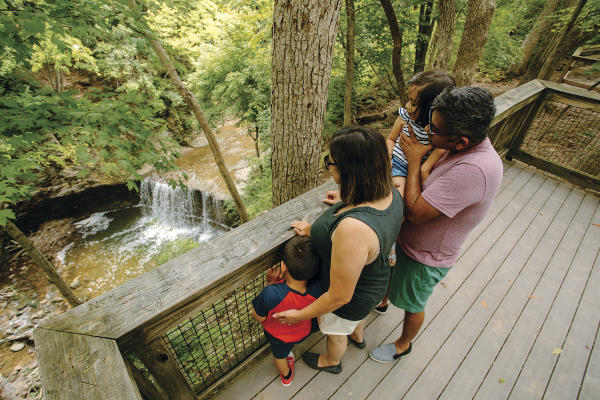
{"points": [[565, 135], [218, 338]]}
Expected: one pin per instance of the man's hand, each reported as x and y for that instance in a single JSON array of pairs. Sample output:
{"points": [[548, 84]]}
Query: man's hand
{"points": [[333, 196], [301, 228], [414, 151]]}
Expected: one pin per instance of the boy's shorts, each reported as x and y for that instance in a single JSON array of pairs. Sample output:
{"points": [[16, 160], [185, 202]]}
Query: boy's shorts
{"points": [[399, 169], [278, 348], [412, 283], [331, 324]]}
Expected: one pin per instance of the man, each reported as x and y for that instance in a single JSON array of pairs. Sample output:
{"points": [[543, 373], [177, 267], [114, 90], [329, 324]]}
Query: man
{"points": [[440, 213]]}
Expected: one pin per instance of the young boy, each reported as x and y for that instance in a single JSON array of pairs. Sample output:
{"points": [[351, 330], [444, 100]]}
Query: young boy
{"points": [[300, 264]]}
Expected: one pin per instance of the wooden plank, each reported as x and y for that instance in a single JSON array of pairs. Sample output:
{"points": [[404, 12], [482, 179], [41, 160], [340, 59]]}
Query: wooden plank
{"points": [[148, 390], [515, 99], [508, 362], [570, 369], [161, 292], [571, 91], [157, 357], [82, 367], [579, 178], [538, 368], [376, 378], [440, 334], [586, 104], [590, 387], [473, 368]]}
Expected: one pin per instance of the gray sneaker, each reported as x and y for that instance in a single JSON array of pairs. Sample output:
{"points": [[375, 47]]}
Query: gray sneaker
{"points": [[386, 353]]}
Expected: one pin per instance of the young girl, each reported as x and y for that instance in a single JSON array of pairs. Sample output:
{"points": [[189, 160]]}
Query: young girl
{"points": [[422, 89]]}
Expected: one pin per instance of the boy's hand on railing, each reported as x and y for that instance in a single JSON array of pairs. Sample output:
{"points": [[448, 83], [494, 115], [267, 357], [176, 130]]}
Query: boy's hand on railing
{"points": [[333, 196], [301, 228], [274, 274]]}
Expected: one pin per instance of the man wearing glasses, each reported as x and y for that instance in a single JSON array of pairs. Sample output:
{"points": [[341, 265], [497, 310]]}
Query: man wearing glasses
{"points": [[442, 211]]}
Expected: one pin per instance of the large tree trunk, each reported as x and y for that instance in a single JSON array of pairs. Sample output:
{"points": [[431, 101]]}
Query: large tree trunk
{"points": [[444, 34], [477, 25], [551, 42], [396, 33], [303, 39], [42, 262], [542, 25], [349, 62], [424, 35]]}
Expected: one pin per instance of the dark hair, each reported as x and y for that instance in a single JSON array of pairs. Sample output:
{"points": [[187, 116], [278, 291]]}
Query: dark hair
{"points": [[431, 83], [361, 157], [299, 257], [467, 111]]}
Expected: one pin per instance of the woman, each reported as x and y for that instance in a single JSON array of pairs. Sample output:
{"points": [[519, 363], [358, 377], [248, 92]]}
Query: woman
{"points": [[353, 239]]}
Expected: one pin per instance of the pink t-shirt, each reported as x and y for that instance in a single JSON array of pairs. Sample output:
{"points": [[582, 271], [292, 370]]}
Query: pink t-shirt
{"points": [[462, 187]]}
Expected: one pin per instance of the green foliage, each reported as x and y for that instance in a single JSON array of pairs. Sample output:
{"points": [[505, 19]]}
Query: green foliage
{"points": [[174, 249]]}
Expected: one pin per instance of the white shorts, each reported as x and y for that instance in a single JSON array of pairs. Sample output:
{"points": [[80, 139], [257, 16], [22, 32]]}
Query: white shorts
{"points": [[331, 324]]}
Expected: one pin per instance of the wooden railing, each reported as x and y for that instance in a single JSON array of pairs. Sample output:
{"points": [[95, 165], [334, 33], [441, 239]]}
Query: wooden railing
{"points": [[181, 330]]}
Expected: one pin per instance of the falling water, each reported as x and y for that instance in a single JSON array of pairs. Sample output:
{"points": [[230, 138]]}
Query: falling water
{"points": [[169, 206]]}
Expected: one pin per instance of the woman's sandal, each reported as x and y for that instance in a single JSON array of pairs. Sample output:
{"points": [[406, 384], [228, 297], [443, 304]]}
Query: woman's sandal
{"points": [[312, 360], [360, 345]]}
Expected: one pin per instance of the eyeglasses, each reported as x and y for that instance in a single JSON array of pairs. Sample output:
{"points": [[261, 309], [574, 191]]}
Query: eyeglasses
{"points": [[434, 129], [327, 162]]}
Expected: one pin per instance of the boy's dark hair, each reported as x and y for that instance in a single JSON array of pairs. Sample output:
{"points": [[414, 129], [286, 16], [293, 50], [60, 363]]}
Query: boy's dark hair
{"points": [[361, 157], [467, 111], [431, 83], [299, 257]]}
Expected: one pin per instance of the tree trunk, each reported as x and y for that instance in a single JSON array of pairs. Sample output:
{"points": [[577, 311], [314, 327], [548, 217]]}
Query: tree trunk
{"points": [[542, 25], [444, 34], [424, 35], [303, 40], [550, 44], [191, 101], [477, 25], [396, 33], [551, 62], [349, 63], [42, 262]]}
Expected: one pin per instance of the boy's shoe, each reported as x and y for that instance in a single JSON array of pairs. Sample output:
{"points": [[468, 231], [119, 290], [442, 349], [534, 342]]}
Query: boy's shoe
{"points": [[290, 363], [381, 309]]}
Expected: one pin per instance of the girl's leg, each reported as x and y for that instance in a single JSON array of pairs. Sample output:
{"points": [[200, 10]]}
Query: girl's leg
{"points": [[281, 365], [359, 332], [336, 347]]}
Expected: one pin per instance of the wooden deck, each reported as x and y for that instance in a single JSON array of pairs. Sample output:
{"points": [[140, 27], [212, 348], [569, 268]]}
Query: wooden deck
{"points": [[517, 317]]}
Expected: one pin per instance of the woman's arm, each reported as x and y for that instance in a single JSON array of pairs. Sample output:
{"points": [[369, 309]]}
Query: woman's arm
{"points": [[354, 245], [428, 165]]}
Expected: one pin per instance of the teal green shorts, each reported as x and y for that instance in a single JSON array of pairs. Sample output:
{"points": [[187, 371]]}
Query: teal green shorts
{"points": [[412, 283]]}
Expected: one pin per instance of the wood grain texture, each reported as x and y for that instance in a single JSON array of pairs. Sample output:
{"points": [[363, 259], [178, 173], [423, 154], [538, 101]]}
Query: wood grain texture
{"points": [[82, 367], [162, 292]]}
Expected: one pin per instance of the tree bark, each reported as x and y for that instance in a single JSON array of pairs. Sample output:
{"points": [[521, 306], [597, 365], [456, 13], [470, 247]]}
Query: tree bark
{"points": [[424, 35], [542, 25], [349, 62], [396, 33], [42, 262], [477, 25], [444, 34], [303, 40]]}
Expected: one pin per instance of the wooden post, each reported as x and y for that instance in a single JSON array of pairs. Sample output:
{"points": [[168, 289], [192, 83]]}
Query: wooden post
{"points": [[162, 365], [42, 262], [144, 385], [525, 123]]}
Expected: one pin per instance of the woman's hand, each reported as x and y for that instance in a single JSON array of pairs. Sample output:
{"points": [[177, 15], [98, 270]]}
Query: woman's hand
{"points": [[414, 151], [301, 228], [288, 316], [274, 274], [333, 196]]}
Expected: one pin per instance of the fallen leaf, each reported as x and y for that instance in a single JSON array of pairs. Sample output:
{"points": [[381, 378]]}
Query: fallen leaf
{"points": [[501, 380], [533, 296], [596, 225], [499, 324], [443, 284], [557, 351], [483, 303]]}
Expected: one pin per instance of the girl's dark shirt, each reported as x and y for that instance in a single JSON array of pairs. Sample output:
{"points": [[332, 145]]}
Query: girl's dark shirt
{"points": [[372, 283]]}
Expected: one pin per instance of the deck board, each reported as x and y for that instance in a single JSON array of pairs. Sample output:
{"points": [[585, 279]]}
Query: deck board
{"points": [[526, 283]]}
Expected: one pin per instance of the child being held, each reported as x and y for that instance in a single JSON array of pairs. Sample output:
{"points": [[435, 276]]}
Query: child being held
{"points": [[422, 89], [300, 264]]}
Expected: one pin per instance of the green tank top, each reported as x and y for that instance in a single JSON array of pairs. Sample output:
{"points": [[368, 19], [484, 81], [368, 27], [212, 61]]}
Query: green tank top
{"points": [[373, 280]]}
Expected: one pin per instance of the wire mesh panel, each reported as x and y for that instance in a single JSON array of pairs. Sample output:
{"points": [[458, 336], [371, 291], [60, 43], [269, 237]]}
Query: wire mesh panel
{"points": [[566, 135], [218, 338]]}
